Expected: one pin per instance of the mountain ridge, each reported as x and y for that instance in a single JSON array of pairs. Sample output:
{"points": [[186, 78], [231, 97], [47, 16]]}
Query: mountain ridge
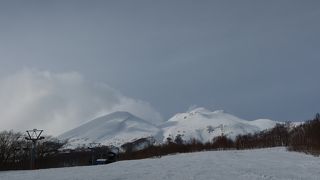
{"points": [[113, 129], [202, 124]]}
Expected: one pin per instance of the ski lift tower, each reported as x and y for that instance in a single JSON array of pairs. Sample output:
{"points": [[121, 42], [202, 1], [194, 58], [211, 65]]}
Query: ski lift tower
{"points": [[34, 135]]}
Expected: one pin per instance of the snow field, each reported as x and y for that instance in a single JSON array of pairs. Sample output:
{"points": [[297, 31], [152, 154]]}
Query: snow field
{"points": [[260, 164]]}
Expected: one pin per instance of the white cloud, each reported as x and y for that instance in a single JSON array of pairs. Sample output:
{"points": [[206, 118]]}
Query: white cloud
{"points": [[57, 102]]}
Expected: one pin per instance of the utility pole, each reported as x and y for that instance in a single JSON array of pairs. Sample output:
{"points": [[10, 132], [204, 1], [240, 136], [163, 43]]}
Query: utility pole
{"points": [[34, 136]]}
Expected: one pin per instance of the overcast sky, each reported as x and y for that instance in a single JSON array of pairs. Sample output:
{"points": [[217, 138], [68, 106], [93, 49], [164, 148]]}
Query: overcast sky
{"points": [[254, 59]]}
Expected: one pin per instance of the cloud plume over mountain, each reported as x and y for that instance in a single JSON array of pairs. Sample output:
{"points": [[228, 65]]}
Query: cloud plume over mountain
{"points": [[57, 102]]}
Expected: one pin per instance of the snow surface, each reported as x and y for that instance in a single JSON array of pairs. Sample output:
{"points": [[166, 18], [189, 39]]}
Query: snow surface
{"points": [[204, 125], [113, 129], [261, 164], [121, 127]]}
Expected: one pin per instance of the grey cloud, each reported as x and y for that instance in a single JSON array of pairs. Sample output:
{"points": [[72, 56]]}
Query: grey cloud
{"points": [[256, 59], [58, 102]]}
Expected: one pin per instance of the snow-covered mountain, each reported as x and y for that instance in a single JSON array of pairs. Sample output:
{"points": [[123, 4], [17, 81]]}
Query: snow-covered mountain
{"points": [[122, 127], [204, 125], [114, 129]]}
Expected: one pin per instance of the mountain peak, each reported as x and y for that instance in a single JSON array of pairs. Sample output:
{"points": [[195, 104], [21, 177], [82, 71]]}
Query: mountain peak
{"points": [[116, 128], [219, 111], [118, 114], [203, 110], [200, 123], [204, 125], [199, 110]]}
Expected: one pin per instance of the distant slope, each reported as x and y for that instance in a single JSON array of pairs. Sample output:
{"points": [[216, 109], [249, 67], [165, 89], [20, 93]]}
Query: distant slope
{"points": [[259, 164], [204, 125], [121, 127], [113, 129]]}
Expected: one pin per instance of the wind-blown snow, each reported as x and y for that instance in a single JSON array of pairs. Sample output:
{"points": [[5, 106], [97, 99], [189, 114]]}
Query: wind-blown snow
{"points": [[57, 102], [262, 164]]}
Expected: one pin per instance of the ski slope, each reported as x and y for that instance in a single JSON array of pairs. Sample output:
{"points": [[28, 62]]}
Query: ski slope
{"points": [[261, 164]]}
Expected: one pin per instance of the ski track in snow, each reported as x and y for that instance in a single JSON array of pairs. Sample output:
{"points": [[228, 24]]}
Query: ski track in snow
{"points": [[260, 164]]}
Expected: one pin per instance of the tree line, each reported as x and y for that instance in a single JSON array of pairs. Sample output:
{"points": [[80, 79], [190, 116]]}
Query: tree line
{"points": [[302, 138], [306, 137], [15, 150], [15, 153]]}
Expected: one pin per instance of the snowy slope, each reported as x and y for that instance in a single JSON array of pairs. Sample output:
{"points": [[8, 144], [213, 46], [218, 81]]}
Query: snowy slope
{"points": [[204, 125], [262, 164], [122, 127], [113, 129]]}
